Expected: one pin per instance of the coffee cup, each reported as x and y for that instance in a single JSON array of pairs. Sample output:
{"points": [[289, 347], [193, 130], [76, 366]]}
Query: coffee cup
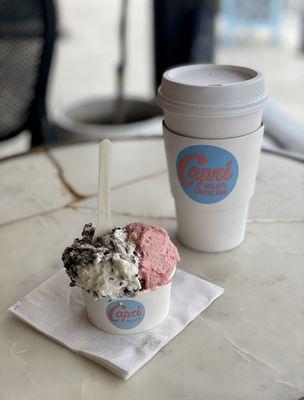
{"points": [[213, 133]]}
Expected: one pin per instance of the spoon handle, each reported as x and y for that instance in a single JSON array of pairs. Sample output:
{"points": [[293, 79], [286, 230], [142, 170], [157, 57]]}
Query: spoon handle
{"points": [[104, 224]]}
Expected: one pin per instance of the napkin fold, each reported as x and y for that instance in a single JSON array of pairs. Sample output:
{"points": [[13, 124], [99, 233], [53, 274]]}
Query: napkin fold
{"points": [[57, 310]]}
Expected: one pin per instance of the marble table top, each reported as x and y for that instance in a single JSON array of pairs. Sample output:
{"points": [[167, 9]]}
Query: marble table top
{"points": [[248, 345]]}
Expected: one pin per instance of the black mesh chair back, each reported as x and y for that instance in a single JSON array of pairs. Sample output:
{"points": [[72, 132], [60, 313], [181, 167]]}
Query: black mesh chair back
{"points": [[27, 36]]}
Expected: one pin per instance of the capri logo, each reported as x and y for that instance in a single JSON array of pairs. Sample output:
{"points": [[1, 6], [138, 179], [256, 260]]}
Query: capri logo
{"points": [[125, 314], [207, 174]]}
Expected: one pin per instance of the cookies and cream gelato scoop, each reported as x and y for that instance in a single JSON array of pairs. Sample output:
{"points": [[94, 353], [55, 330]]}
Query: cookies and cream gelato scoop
{"points": [[107, 267]]}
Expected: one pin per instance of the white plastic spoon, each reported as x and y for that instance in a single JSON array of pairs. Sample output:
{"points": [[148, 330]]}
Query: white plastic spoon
{"points": [[104, 221]]}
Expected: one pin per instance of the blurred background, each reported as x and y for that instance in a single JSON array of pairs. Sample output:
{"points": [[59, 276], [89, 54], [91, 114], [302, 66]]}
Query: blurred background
{"points": [[80, 70]]}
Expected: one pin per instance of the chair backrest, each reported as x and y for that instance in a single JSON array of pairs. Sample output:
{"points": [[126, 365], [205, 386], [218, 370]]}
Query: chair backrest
{"points": [[27, 35]]}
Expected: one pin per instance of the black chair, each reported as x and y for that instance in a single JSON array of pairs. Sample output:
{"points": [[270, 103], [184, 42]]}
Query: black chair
{"points": [[27, 37]]}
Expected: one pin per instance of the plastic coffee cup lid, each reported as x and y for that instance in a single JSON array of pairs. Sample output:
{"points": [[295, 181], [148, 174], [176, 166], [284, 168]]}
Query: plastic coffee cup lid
{"points": [[209, 90]]}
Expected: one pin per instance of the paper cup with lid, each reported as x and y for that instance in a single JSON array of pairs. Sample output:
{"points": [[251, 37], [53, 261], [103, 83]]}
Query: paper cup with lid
{"points": [[213, 133], [129, 315]]}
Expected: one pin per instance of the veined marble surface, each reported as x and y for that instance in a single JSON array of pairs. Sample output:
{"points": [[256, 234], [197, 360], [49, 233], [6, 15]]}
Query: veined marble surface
{"points": [[248, 345]]}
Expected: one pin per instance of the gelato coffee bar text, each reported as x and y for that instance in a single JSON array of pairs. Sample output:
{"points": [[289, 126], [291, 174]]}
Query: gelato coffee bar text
{"points": [[207, 174], [198, 175]]}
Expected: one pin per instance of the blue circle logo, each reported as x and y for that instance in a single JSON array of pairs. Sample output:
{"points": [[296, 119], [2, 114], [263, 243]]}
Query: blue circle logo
{"points": [[207, 174], [125, 314]]}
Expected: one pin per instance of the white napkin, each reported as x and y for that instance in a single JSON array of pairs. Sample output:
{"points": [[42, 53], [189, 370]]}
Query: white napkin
{"points": [[57, 310]]}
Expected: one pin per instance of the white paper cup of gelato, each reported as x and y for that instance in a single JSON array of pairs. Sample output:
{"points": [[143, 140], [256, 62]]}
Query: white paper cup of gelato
{"points": [[129, 315], [125, 275], [213, 133]]}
